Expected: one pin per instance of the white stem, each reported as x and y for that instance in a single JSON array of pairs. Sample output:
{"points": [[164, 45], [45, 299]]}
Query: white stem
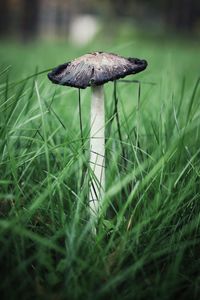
{"points": [[97, 150]]}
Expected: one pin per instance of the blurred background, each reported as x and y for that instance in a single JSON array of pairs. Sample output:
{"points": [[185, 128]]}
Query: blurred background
{"points": [[38, 35], [67, 28], [27, 20]]}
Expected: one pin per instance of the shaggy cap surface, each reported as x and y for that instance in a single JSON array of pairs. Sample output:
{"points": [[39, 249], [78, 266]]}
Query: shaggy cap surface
{"points": [[95, 69]]}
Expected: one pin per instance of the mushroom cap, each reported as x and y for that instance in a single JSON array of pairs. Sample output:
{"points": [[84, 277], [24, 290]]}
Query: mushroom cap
{"points": [[95, 69]]}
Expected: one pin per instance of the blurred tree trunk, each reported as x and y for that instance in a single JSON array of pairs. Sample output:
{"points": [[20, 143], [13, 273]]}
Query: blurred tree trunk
{"points": [[47, 18], [182, 14], [29, 19], [4, 17], [118, 8], [64, 14]]}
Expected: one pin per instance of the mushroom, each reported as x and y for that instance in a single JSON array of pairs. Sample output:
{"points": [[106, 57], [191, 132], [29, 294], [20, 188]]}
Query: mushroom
{"points": [[95, 69]]}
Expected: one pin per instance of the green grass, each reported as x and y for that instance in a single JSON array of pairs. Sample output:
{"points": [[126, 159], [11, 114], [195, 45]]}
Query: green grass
{"points": [[148, 246]]}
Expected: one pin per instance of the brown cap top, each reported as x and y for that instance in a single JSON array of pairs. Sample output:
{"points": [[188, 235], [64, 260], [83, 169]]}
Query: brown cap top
{"points": [[95, 69]]}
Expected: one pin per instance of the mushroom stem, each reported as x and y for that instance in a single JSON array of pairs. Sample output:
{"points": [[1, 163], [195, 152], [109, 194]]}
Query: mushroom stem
{"points": [[97, 150]]}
